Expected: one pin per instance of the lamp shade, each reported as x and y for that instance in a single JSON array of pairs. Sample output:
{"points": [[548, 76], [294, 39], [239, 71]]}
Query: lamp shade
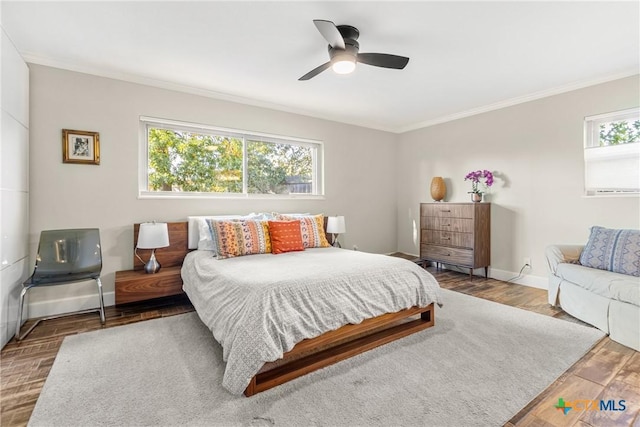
{"points": [[153, 235], [335, 225]]}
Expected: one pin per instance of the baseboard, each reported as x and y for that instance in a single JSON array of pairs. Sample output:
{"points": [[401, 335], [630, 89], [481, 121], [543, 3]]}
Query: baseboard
{"points": [[68, 305], [525, 279], [506, 276]]}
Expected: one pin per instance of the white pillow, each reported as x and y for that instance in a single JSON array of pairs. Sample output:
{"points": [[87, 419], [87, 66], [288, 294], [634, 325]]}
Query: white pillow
{"points": [[205, 242], [275, 214]]}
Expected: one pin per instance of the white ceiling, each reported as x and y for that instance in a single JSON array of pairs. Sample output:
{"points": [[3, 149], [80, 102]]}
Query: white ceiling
{"points": [[466, 57]]}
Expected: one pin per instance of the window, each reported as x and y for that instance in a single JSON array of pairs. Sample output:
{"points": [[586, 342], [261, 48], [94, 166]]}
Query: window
{"points": [[612, 153], [186, 160]]}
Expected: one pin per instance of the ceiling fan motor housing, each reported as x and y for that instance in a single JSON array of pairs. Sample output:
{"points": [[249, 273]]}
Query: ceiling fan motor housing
{"points": [[351, 48], [348, 32]]}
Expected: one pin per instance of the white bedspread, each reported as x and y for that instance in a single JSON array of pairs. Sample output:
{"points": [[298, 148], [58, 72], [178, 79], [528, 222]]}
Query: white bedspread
{"points": [[259, 306]]}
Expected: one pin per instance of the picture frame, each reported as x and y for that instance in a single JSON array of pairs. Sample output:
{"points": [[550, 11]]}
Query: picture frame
{"points": [[82, 147]]}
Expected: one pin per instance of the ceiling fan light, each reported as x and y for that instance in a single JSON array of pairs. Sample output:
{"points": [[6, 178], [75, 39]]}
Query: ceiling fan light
{"points": [[344, 66]]}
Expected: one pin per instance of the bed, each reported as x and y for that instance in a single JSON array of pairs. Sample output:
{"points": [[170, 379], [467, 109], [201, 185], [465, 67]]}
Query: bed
{"points": [[281, 316]]}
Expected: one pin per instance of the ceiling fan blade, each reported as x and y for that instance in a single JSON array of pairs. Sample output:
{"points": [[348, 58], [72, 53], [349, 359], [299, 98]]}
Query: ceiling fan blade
{"points": [[330, 32], [316, 71], [383, 60]]}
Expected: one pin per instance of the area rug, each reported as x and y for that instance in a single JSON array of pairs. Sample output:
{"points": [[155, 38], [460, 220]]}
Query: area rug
{"points": [[478, 366]]}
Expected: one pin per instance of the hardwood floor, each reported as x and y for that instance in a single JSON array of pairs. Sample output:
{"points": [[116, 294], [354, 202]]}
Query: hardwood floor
{"points": [[608, 371]]}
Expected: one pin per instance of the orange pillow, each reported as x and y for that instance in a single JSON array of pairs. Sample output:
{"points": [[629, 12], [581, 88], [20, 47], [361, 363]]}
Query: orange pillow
{"points": [[285, 236], [312, 229]]}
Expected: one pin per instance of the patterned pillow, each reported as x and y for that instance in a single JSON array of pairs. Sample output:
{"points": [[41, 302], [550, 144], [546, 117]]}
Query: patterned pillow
{"points": [[614, 250], [285, 236], [312, 229], [206, 242], [205, 239], [240, 237]]}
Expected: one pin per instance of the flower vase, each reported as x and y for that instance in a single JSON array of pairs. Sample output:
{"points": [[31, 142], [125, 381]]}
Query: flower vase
{"points": [[476, 197], [438, 189]]}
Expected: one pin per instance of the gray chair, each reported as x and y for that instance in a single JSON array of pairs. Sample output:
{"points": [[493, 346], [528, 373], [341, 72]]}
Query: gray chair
{"points": [[65, 256]]}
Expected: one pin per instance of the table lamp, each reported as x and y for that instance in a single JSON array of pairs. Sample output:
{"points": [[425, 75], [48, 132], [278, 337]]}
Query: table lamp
{"points": [[152, 235], [336, 226]]}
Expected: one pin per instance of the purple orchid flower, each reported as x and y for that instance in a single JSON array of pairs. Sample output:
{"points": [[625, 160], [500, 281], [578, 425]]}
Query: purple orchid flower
{"points": [[476, 176]]}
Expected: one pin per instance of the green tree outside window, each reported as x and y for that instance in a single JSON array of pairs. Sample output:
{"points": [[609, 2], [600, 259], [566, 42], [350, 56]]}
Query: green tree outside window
{"points": [[184, 161], [619, 132]]}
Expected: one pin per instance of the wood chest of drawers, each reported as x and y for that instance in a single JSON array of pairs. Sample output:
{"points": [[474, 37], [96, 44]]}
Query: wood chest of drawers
{"points": [[456, 234]]}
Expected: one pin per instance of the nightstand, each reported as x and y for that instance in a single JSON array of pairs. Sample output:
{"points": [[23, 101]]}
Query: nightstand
{"points": [[136, 285]]}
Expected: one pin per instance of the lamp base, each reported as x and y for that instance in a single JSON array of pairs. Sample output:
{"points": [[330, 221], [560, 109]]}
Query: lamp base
{"points": [[153, 266]]}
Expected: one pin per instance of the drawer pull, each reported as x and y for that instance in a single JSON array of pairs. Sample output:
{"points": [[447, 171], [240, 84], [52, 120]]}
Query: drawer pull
{"points": [[446, 210], [446, 238]]}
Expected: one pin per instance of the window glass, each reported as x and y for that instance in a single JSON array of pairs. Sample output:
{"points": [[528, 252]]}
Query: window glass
{"points": [[186, 161], [279, 168], [184, 158]]}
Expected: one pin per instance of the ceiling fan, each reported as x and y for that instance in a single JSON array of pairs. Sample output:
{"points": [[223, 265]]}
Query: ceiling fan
{"points": [[343, 51]]}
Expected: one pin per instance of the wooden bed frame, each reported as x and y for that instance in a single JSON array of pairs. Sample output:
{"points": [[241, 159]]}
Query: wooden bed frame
{"points": [[310, 354]]}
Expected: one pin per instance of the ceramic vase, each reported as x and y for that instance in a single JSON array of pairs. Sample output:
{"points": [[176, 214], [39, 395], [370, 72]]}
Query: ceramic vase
{"points": [[438, 189], [476, 197]]}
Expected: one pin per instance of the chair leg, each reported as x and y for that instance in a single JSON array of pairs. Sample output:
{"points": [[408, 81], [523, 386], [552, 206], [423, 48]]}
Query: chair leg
{"points": [[91, 310], [20, 308], [102, 316]]}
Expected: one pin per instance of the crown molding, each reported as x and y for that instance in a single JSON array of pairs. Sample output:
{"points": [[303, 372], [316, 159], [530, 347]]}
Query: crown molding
{"points": [[518, 100]]}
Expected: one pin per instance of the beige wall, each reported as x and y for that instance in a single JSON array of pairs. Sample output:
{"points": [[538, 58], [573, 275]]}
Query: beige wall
{"points": [[535, 149], [376, 179], [360, 170]]}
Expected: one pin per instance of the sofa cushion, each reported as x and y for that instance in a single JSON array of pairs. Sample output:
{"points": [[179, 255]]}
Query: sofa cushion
{"points": [[616, 286], [614, 250]]}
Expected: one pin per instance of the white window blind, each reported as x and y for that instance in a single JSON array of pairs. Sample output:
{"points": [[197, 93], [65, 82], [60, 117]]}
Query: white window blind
{"points": [[612, 153]]}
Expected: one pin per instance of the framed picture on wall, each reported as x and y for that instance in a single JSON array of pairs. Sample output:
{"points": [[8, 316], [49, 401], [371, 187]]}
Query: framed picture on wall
{"points": [[80, 146]]}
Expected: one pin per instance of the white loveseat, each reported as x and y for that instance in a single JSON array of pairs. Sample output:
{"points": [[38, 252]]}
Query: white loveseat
{"points": [[606, 299]]}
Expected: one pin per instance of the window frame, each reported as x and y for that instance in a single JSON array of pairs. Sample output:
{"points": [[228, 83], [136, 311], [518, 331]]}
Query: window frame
{"points": [[317, 157], [591, 141]]}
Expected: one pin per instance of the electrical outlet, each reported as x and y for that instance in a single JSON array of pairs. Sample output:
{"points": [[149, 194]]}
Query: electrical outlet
{"points": [[526, 261], [355, 247]]}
